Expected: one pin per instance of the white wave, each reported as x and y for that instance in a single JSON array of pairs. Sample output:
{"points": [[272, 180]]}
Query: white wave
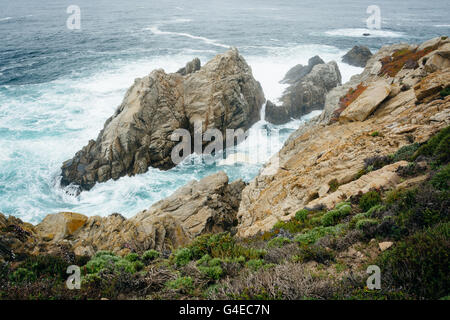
{"points": [[359, 32], [5, 19], [155, 30], [442, 25]]}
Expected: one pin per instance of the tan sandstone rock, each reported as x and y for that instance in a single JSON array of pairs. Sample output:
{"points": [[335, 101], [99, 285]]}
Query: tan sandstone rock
{"points": [[385, 245], [367, 102], [61, 225], [432, 84]]}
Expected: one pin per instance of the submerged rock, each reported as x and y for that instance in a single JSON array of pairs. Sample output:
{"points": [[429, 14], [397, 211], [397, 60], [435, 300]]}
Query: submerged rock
{"points": [[306, 93], [222, 94], [357, 56]]}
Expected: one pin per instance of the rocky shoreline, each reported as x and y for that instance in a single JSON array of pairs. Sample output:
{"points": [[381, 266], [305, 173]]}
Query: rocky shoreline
{"points": [[400, 100]]}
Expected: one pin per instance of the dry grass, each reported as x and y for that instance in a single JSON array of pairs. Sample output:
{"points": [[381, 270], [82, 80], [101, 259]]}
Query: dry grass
{"points": [[288, 281]]}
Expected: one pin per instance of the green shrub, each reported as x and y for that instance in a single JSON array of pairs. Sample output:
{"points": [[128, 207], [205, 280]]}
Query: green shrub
{"points": [[375, 210], [124, 265], [183, 256], [436, 147], [278, 242], [301, 215], [334, 185], [314, 253], [213, 272], [292, 226], [315, 234], [183, 284], [150, 255], [369, 199], [356, 218], [420, 263], [132, 257], [332, 217], [342, 204], [405, 153], [222, 245], [375, 134], [445, 92], [441, 179], [204, 260], [255, 264], [22, 275], [138, 265], [365, 224], [48, 266], [101, 260]]}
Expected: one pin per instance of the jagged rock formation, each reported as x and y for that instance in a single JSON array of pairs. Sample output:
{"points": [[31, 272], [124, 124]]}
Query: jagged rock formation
{"points": [[307, 92], [205, 206], [357, 56], [298, 72], [222, 94], [330, 150], [190, 67]]}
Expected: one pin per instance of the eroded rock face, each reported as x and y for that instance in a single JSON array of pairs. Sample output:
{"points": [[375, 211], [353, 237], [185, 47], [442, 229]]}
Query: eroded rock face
{"points": [[17, 238], [222, 94], [306, 94], [321, 151], [357, 56], [206, 206], [367, 102]]}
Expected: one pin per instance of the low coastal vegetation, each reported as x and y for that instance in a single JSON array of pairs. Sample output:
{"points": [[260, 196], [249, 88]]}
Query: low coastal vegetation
{"points": [[318, 254], [405, 58]]}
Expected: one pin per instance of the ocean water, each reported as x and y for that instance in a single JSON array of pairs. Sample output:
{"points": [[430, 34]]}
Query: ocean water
{"points": [[58, 86]]}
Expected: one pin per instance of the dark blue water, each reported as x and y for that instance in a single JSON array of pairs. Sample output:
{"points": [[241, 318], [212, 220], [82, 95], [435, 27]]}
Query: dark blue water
{"points": [[58, 86]]}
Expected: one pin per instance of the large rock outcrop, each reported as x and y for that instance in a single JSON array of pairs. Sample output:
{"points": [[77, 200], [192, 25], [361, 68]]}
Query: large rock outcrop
{"points": [[222, 94], [206, 206], [307, 91], [323, 154], [357, 56]]}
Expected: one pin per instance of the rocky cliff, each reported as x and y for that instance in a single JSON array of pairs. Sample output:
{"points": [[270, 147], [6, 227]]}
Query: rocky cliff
{"points": [[394, 101], [222, 94]]}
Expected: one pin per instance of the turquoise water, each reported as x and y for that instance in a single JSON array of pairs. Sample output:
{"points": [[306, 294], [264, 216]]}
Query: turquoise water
{"points": [[57, 87]]}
